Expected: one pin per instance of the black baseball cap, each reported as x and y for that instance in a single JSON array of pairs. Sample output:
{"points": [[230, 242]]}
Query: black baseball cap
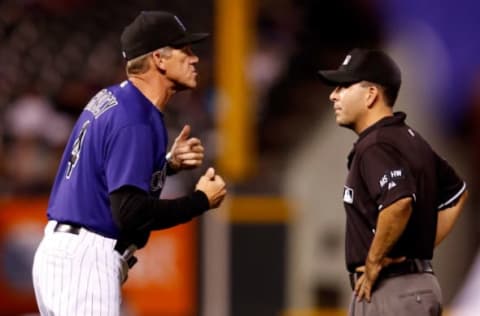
{"points": [[155, 29], [364, 64]]}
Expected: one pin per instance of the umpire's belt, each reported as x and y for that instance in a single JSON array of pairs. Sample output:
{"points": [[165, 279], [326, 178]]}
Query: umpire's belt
{"points": [[120, 248], [406, 267]]}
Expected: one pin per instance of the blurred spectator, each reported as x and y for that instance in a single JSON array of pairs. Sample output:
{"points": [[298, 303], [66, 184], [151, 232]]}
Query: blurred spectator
{"points": [[34, 134], [277, 26]]}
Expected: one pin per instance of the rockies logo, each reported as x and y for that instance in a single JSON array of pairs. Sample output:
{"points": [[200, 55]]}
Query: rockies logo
{"points": [[158, 181]]}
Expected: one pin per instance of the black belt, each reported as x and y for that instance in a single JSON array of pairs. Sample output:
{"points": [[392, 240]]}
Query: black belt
{"points": [[67, 228], [121, 248], [408, 266]]}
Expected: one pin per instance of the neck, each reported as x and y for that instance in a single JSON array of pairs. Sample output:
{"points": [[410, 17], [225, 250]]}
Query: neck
{"points": [[373, 115], [155, 88]]}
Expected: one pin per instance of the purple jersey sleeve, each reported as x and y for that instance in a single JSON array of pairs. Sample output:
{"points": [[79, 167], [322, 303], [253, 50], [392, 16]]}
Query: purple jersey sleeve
{"points": [[129, 158]]}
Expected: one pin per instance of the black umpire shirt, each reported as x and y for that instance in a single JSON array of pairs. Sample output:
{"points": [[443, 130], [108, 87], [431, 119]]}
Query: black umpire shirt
{"points": [[388, 162]]}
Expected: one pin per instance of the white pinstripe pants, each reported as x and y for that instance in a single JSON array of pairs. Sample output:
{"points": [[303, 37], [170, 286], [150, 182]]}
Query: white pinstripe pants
{"points": [[77, 274]]}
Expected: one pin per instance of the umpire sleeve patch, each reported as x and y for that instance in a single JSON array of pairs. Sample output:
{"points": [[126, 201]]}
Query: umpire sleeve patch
{"points": [[390, 178]]}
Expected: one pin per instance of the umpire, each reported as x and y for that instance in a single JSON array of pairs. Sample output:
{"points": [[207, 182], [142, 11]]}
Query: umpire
{"points": [[401, 198]]}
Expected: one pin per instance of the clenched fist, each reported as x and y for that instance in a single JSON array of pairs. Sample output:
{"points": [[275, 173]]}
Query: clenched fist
{"points": [[213, 186]]}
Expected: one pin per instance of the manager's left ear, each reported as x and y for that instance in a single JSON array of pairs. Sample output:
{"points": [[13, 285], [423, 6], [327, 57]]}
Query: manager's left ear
{"points": [[159, 61]]}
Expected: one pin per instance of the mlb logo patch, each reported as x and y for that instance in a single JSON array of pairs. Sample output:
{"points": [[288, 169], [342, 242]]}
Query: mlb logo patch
{"points": [[348, 195]]}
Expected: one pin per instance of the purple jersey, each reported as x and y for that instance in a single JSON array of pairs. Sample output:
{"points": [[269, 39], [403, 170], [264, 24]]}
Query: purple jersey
{"points": [[119, 139]]}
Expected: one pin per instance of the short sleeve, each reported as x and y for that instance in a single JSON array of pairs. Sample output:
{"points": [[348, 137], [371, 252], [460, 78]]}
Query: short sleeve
{"points": [[450, 185], [130, 158], [386, 175]]}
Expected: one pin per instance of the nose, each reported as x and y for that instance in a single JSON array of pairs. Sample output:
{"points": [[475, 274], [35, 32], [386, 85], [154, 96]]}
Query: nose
{"points": [[193, 58], [334, 95]]}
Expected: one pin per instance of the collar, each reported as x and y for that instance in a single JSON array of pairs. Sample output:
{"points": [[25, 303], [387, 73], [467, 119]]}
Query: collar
{"points": [[397, 119], [141, 97]]}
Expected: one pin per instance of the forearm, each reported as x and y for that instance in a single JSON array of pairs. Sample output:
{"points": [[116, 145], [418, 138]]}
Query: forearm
{"points": [[448, 217], [134, 210], [390, 226]]}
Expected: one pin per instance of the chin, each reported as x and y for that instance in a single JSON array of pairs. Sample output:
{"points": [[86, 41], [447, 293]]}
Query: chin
{"points": [[343, 123], [180, 86]]}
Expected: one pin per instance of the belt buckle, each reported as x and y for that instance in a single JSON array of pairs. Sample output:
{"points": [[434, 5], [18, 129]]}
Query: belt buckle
{"points": [[66, 228], [128, 256], [423, 266]]}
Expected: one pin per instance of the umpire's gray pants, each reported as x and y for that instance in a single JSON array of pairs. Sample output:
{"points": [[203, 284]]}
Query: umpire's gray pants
{"points": [[416, 294]]}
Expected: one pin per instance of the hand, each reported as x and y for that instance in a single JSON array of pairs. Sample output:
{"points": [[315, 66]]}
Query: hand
{"points": [[186, 153], [371, 271], [213, 186]]}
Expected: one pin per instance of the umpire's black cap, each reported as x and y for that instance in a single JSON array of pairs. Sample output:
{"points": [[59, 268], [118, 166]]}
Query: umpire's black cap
{"points": [[155, 29], [364, 64]]}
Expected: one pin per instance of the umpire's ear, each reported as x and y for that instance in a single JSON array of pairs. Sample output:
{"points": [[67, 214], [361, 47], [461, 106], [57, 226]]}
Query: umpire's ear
{"points": [[371, 95]]}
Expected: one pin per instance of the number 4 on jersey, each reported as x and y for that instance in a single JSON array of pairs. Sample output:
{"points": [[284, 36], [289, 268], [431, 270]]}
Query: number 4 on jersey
{"points": [[77, 148]]}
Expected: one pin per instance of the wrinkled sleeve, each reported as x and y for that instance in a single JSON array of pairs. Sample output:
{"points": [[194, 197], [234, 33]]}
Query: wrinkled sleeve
{"points": [[387, 175]]}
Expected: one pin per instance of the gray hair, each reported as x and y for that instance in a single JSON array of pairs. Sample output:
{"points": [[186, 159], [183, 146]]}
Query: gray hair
{"points": [[140, 64]]}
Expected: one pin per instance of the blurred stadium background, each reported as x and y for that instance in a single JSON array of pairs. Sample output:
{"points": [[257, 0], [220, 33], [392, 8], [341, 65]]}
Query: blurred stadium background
{"points": [[276, 245]]}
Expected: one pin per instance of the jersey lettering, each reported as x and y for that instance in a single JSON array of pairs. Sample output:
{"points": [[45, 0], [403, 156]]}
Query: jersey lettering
{"points": [[77, 148], [100, 103]]}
